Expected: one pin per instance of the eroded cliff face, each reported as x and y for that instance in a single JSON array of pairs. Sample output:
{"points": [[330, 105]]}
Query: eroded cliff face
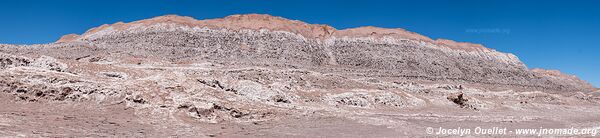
{"points": [[252, 74], [254, 38]]}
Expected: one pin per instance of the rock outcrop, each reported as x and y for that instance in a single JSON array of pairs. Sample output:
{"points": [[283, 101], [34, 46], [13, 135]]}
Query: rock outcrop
{"points": [[256, 38], [265, 76]]}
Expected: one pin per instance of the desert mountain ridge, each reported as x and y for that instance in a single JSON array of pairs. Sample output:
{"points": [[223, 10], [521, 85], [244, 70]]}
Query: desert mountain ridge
{"points": [[275, 23], [311, 31], [258, 75]]}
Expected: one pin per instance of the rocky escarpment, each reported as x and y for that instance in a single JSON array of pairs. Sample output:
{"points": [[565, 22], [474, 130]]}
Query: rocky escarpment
{"points": [[265, 76], [262, 39]]}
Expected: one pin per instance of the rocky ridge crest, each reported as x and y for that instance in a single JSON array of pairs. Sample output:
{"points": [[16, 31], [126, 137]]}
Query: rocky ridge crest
{"points": [[265, 76], [319, 45]]}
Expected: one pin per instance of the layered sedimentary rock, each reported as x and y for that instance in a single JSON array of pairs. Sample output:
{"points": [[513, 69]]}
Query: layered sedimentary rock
{"points": [[260, 75], [255, 38]]}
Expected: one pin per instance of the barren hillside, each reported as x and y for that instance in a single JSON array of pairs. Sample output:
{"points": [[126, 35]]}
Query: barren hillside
{"points": [[264, 76]]}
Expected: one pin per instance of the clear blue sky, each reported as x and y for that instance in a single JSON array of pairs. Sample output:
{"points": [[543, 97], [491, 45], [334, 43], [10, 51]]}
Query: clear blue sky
{"points": [[561, 35]]}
